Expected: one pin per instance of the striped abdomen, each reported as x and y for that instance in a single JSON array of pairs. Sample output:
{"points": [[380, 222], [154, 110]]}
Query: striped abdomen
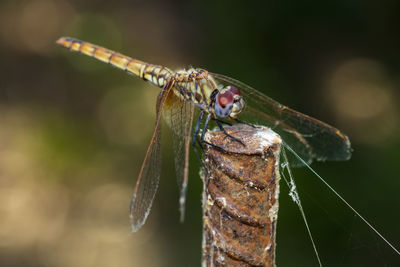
{"points": [[156, 75]]}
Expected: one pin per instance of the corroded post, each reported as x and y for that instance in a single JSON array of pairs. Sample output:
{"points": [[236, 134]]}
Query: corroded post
{"points": [[240, 197]]}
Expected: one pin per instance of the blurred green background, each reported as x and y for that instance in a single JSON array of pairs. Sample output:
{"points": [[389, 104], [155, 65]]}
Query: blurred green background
{"points": [[74, 131]]}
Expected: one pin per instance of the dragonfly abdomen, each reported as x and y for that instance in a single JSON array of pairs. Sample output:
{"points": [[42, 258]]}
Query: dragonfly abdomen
{"points": [[157, 75]]}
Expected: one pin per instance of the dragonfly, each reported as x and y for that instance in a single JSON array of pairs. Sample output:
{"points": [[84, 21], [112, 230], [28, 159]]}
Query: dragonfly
{"points": [[218, 98]]}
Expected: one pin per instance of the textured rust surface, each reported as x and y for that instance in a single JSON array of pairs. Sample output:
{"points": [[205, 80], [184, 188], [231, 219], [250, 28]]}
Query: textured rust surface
{"points": [[240, 197]]}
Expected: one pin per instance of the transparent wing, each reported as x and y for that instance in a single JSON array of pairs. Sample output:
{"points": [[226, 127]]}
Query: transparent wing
{"points": [[149, 176], [309, 137], [179, 116]]}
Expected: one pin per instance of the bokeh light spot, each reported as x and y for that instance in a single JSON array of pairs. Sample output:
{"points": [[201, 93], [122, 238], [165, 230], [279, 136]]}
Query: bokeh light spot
{"points": [[361, 93], [125, 120], [33, 25]]}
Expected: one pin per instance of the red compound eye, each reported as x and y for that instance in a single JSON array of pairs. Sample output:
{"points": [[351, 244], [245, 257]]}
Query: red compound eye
{"points": [[234, 90], [225, 98]]}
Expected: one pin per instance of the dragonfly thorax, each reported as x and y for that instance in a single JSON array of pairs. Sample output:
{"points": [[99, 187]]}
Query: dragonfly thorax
{"points": [[194, 85]]}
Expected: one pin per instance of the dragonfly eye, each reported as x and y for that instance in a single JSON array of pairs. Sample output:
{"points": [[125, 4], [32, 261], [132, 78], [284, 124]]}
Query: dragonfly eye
{"points": [[224, 103], [225, 98], [234, 91]]}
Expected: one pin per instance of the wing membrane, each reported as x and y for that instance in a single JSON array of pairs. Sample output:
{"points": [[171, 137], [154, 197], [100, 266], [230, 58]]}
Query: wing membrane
{"points": [[149, 176], [310, 138], [179, 117]]}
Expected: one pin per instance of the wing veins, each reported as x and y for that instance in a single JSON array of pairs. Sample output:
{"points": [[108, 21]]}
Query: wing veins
{"points": [[149, 175]]}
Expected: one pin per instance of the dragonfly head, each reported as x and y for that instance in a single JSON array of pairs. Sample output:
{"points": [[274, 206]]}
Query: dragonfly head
{"points": [[228, 102]]}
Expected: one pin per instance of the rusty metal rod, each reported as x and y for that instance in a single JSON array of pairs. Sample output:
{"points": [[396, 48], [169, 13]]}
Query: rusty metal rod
{"points": [[240, 197]]}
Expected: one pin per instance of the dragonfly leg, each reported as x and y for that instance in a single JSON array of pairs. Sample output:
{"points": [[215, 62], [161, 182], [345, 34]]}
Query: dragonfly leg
{"points": [[195, 132], [224, 122], [196, 129], [201, 141], [203, 132], [228, 135], [247, 123], [197, 140]]}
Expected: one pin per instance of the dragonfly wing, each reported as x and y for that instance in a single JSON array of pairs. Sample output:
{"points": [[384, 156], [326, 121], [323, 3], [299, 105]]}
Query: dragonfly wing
{"points": [[149, 176], [310, 138], [179, 116]]}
